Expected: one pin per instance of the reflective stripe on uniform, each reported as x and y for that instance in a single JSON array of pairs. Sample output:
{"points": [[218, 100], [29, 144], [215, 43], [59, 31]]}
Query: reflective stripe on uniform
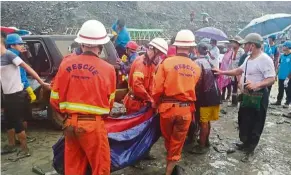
{"points": [[138, 74], [79, 107], [112, 96], [54, 95]]}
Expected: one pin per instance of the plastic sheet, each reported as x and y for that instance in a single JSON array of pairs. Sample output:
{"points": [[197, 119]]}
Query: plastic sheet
{"points": [[130, 137]]}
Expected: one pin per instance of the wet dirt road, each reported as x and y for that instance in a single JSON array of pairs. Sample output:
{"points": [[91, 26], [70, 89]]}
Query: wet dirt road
{"points": [[272, 156]]}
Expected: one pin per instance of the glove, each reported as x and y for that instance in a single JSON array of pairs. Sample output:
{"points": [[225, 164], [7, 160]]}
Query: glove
{"points": [[31, 94], [286, 82], [124, 58], [114, 33], [69, 131], [123, 77]]}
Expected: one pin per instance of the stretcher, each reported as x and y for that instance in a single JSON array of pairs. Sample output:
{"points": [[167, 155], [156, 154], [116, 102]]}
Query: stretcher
{"points": [[130, 137]]}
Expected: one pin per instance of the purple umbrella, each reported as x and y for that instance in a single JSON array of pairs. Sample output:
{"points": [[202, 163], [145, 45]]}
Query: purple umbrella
{"points": [[211, 32]]}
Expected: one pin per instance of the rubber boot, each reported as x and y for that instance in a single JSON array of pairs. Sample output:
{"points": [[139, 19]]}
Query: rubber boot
{"points": [[277, 103]]}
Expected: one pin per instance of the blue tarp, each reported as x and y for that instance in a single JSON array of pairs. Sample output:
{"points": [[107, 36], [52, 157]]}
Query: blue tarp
{"points": [[126, 146]]}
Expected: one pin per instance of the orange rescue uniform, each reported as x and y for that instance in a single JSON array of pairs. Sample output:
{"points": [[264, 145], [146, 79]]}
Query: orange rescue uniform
{"points": [[84, 91], [140, 82], [174, 88]]}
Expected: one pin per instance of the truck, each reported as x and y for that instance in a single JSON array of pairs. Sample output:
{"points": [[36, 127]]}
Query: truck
{"points": [[45, 53]]}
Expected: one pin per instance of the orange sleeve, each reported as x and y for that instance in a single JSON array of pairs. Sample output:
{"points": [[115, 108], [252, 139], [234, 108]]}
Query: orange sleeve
{"points": [[138, 85], [112, 89], [59, 87], [159, 81]]}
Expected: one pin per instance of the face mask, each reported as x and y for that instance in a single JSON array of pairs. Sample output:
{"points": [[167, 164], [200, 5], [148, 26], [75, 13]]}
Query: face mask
{"points": [[225, 49], [250, 50]]}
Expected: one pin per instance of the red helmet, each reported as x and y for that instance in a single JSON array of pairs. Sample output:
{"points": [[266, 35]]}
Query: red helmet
{"points": [[132, 45]]}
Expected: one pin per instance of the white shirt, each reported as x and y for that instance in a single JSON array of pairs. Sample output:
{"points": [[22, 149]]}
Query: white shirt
{"points": [[258, 69], [10, 73], [214, 53]]}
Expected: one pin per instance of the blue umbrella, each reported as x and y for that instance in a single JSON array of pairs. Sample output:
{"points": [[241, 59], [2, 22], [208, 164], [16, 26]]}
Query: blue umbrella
{"points": [[268, 25], [211, 32]]}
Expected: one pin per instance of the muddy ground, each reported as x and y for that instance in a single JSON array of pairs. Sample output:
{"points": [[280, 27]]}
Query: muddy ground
{"points": [[272, 156]]}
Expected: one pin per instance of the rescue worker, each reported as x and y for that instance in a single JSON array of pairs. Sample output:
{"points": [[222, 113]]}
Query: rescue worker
{"points": [[84, 92], [174, 91], [141, 75], [140, 82], [15, 44]]}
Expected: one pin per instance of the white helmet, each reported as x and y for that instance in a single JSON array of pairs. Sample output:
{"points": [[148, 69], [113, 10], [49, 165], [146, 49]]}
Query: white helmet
{"points": [[160, 44], [92, 33], [185, 38]]}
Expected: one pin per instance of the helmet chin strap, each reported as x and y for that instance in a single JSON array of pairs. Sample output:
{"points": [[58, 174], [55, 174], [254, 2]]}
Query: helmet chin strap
{"points": [[149, 61]]}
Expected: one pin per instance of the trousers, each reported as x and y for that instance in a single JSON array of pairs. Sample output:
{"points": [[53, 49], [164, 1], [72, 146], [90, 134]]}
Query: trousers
{"points": [[281, 91], [251, 123], [174, 122], [89, 144]]}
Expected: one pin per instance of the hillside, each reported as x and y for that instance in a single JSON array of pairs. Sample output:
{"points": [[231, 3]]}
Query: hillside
{"points": [[55, 17]]}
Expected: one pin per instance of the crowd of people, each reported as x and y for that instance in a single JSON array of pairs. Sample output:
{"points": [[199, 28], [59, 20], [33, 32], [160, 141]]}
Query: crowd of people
{"points": [[183, 82]]}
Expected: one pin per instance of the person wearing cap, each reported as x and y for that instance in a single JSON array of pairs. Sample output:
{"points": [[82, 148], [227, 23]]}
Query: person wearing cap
{"points": [[284, 75], [140, 79], [174, 92], [86, 140], [245, 55], [208, 99], [237, 53], [15, 97], [121, 36], [15, 44], [214, 53], [258, 73]]}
